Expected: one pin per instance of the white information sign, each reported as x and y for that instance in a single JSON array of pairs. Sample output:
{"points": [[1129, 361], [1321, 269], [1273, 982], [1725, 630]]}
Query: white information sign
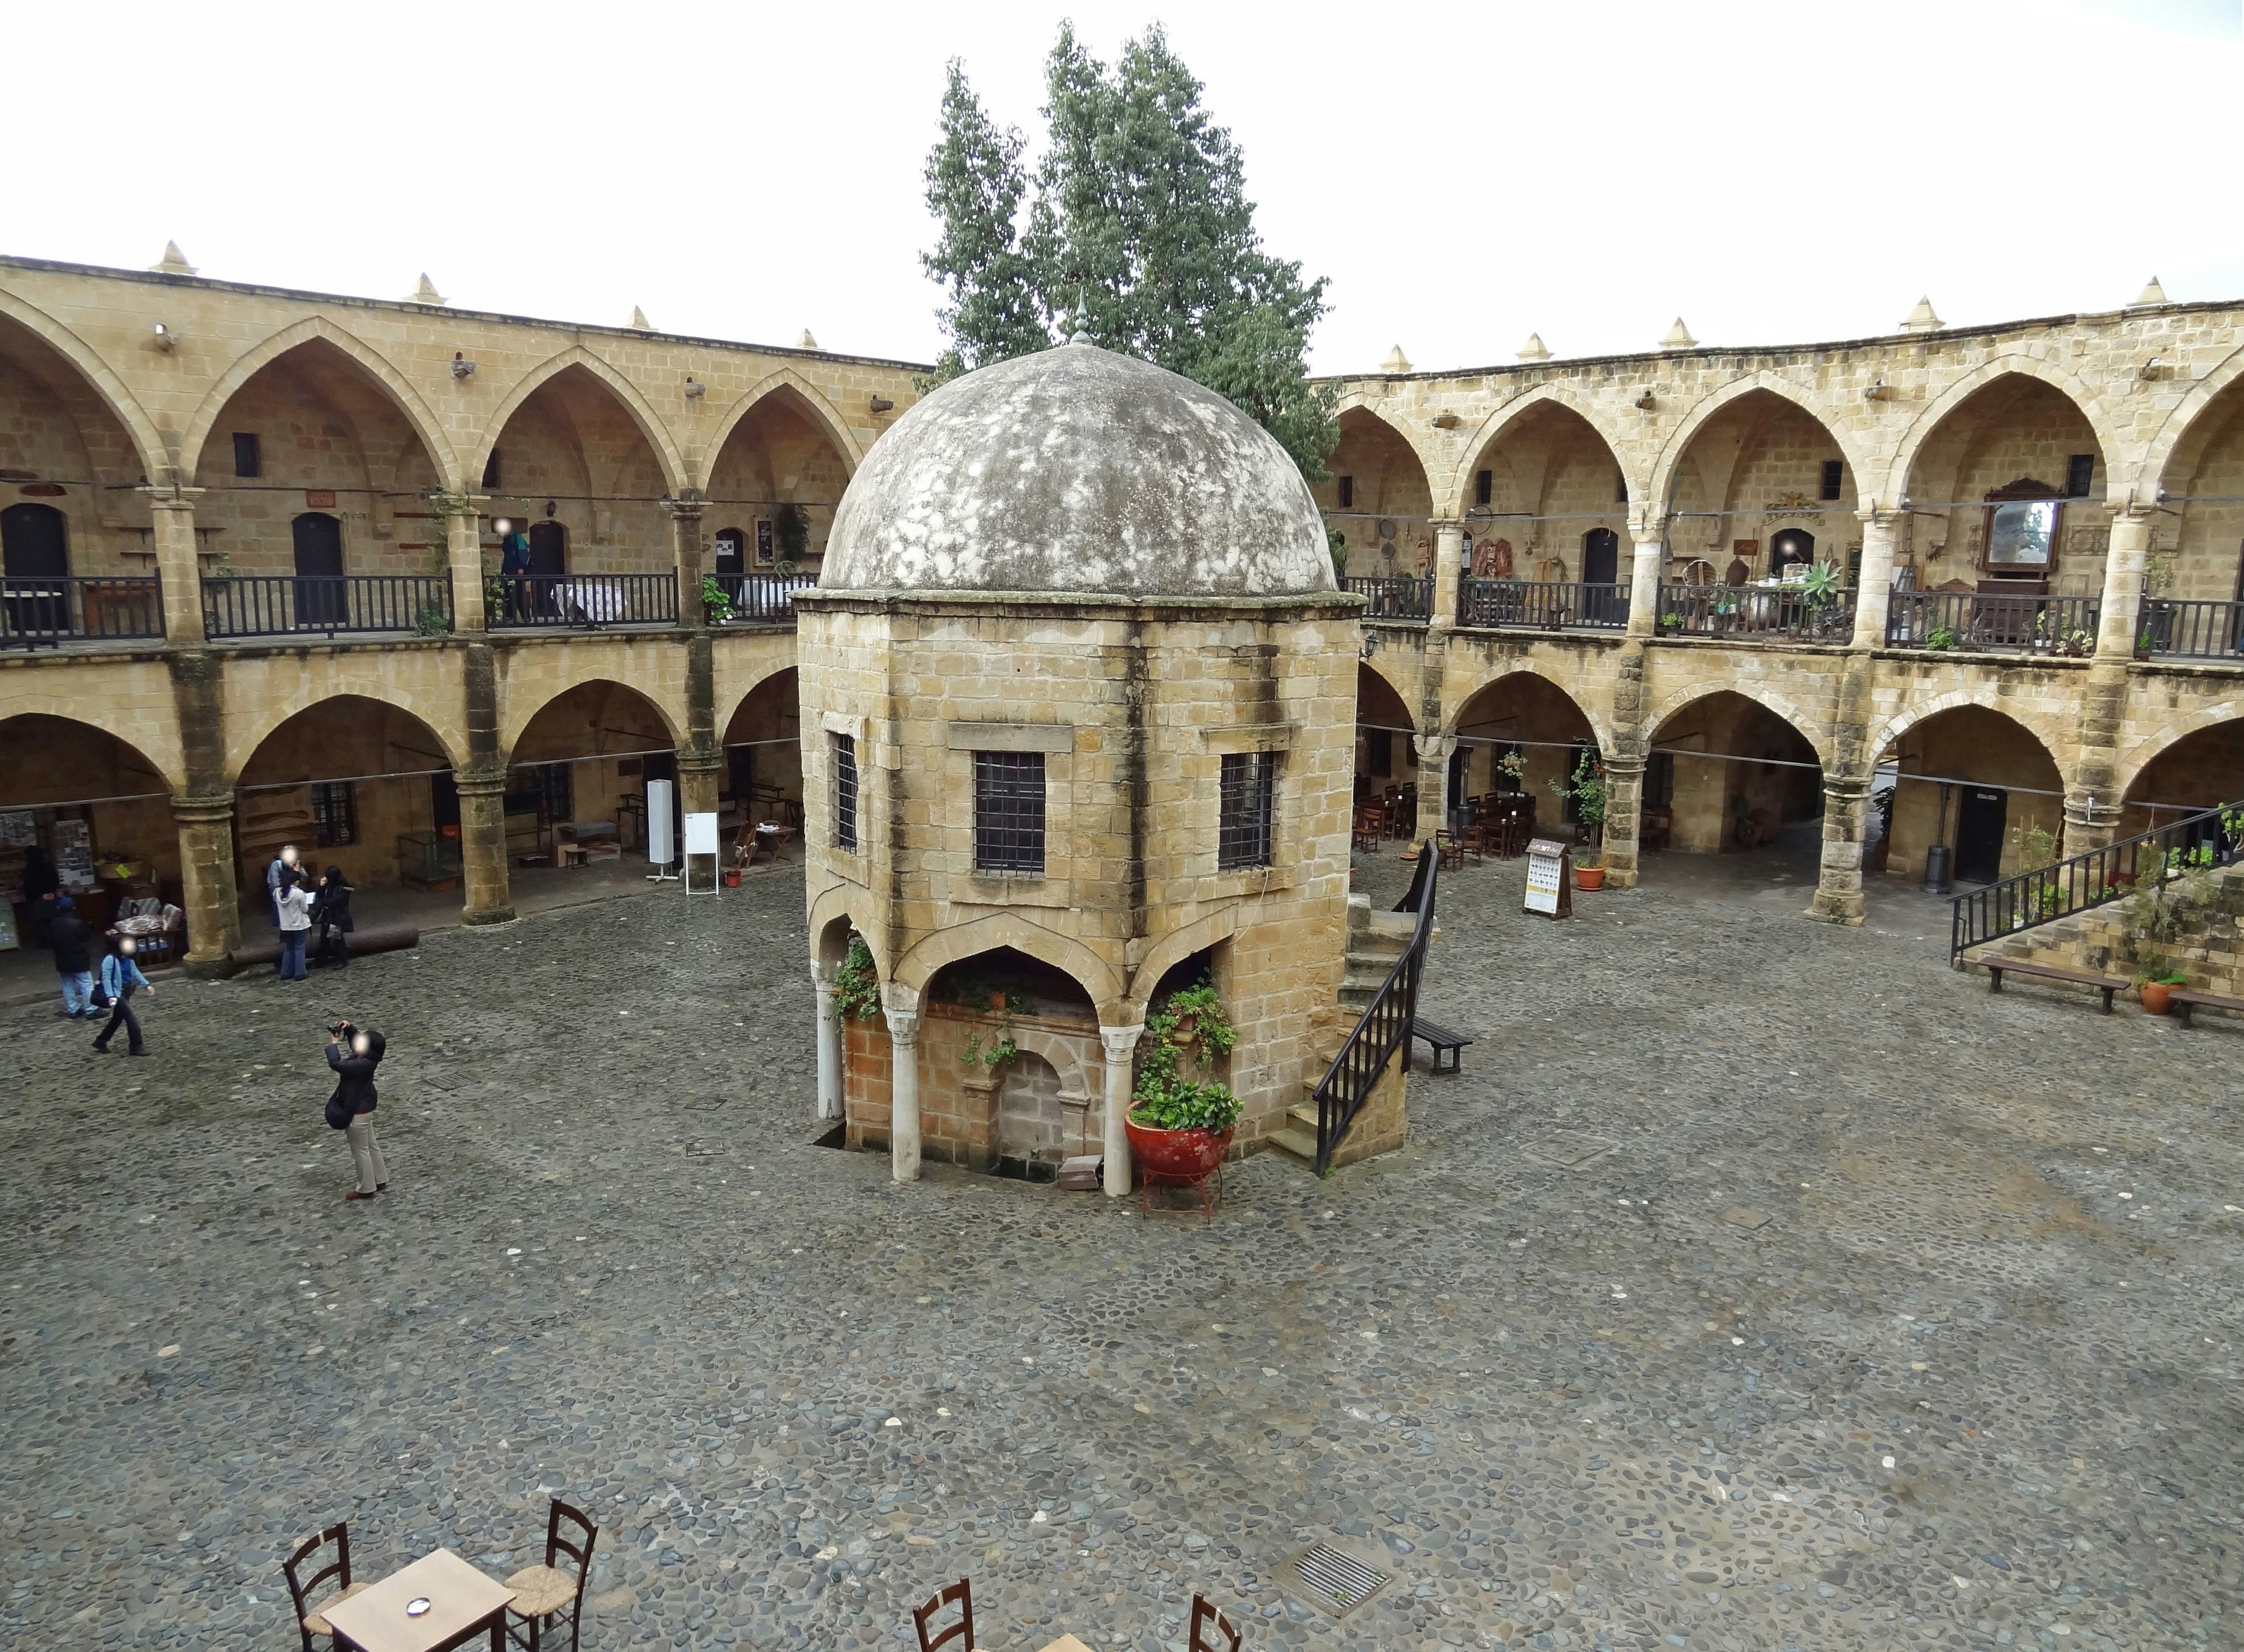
{"points": [[701, 833], [1547, 891]]}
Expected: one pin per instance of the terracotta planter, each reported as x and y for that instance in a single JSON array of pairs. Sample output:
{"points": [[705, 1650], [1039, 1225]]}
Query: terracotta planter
{"points": [[1185, 1155], [2158, 998], [732, 879], [1589, 877]]}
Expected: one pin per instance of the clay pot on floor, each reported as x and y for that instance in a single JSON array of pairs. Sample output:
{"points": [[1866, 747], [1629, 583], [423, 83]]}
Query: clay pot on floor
{"points": [[2158, 997], [1589, 877], [1185, 1155]]}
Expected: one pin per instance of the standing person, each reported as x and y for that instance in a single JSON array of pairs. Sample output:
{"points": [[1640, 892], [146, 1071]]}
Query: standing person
{"points": [[120, 978], [351, 1109], [283, 866], [41, 885], [331, 910], [73, 945], [294, 904], [514, 569]]}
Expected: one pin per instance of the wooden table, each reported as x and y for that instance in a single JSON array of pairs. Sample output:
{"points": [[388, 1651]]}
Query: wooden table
{"points": [[463, 1605], [1066, 1644]]}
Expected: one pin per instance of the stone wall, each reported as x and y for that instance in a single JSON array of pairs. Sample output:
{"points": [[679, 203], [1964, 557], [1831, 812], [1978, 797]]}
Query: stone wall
{"points": [[2209, 949]]}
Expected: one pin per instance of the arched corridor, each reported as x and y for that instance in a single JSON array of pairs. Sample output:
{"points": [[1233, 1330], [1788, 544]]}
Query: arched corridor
{"points": [[1725, 774], [354, 782], [583, 762], [1977, 783], [1376, 495], [89, 804], [1547, 540]]}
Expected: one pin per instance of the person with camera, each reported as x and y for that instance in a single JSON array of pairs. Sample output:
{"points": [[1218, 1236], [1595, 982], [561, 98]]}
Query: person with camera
{"points": [[354, 1052]]}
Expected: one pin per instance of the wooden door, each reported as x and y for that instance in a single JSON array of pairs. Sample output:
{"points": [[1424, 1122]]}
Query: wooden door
{"points": [[1979, 820], [34, 542], [319, 546]]}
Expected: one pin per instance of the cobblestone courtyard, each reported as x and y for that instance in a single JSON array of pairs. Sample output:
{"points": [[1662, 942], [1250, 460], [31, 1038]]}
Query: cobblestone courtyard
{"points": [[1758, 1284]]}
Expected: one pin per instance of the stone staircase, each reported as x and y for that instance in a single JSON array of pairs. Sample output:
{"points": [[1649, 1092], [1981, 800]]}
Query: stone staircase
{"points": [[1375, 941], [2210, 950]]}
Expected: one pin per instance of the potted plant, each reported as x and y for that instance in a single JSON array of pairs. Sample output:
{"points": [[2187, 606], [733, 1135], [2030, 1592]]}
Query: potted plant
{"points": [[1177, 1125], [857, 984], [716, 602], [1509, 766], [1586, 787], [1940, 637], [2156, 989]]}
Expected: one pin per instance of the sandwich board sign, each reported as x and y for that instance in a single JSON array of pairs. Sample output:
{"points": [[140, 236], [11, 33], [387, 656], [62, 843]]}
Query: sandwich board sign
{"points": [[1549, 878]]}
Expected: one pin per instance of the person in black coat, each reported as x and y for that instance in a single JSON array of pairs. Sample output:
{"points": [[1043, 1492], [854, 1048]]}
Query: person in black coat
{"points": [[351, 1109], [331, 916], [73, 946], [41, 884]]}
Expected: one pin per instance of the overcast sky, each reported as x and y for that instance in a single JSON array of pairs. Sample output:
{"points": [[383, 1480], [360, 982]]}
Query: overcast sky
{"points": [[1463, 173]]}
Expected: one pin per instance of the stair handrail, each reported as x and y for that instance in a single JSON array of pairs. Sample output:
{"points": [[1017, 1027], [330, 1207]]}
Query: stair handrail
{"points": [[1388, 1021], [2041, 895]]}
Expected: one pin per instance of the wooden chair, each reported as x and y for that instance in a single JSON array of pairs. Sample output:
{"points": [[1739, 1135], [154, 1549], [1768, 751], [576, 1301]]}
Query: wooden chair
{"points": [[1370, 828], [1203, 1613], [310, 1619], [961, 1592], [1452, 850], [542, 1591]]}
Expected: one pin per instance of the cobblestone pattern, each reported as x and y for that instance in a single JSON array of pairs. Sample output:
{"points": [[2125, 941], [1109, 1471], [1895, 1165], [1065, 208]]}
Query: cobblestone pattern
{"points": [[1971, 1380]]}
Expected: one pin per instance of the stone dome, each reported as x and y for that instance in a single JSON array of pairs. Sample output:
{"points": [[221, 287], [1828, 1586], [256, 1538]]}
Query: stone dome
{"points": [[1080, 470]]}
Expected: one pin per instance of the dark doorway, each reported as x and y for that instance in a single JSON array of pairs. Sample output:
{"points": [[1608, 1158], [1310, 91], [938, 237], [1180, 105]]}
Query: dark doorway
{"points": [[1792, 545], [549, 551], [662, 765], [34, 540], [732, 553], [1601, 573], [1979, 834], [319, 541], [444, 800]]}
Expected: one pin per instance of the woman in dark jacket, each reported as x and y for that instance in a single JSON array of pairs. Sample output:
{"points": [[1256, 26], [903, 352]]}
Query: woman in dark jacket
{"points": [[351, 1109], [331, 913], [40, 885]]}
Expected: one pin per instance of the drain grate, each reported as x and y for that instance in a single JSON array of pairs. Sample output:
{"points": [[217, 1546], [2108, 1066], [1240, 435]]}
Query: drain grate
{"points": [[1337, 1581]]}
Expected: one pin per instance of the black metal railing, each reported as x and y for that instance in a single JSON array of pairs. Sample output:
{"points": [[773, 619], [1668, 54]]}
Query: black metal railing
{"points": [[2210, 838], [2191, 630], [1544, 606], [288, 605], [42, 611], [762, 598], [1986, 621], [1779, 613], [588, 599], [1395, 598], [1384, 1028]]}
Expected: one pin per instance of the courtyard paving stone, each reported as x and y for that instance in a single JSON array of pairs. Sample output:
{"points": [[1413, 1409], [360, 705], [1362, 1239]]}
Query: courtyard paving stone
{"points": [[1971, 1380]]}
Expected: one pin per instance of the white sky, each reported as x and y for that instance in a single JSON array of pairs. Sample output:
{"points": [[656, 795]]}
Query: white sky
{"points": [[1463, 174]]}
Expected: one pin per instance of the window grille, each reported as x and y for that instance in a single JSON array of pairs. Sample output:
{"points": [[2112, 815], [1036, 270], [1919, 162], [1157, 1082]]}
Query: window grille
{"points": [[1835, 473], [2080, 475], [1347, 493], [1008, 811], [1483, 486], [845, 791], [491, 469], [334, 811], [1242, 837], [249, 457], [1620, 487]]}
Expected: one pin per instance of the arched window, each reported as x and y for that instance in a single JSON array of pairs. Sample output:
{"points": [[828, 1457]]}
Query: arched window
{"points": [[34, 539]]}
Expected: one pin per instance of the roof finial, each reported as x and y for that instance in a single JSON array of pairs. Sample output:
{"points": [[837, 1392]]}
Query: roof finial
{"points": [[2152, 293], [1395, 361], [805, 342], [1678, 337], [426, 293], [1921, 319], [1535, 349], [639, 321], [173, 262]]}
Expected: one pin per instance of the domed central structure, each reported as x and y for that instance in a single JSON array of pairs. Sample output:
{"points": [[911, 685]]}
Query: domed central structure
{"points": [[1077, 469]]}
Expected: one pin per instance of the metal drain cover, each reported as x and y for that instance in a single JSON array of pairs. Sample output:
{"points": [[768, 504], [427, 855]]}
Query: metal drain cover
{"points": [[1333, 1579]]}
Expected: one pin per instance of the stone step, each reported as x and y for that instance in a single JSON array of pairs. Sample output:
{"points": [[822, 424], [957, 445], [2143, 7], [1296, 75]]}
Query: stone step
{"points": [[1303, 1144]]}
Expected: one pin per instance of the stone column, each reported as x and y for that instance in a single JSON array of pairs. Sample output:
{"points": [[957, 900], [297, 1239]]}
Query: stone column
{"points": [[1121, 1044], [1623, 808], [1434, 754], [1448, 571], [2122, 610], [485, 896], [829, 1044], [206, 880], [686, 537], [463, 555], [1650, 535], [2091, 807], [901, 1006], [1873, 585], [698, 773], [171, 509], [1839, 882]]}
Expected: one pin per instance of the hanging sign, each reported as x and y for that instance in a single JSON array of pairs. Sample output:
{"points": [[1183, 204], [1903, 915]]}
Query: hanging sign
{"points": [[1549, 878]]}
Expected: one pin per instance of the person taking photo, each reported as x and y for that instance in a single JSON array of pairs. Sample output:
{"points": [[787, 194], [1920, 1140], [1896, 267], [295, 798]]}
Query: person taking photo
{"points": [[354, 1052]]}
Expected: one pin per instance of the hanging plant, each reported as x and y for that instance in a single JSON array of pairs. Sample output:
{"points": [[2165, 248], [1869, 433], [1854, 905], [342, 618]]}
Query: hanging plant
{"points": [[1166, 1096], [857, 984]]}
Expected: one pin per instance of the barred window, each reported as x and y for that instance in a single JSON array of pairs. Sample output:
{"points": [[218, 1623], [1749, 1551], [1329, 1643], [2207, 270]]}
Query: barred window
{"points": [[845, 791], [1008, 811], [335, 812], [1242, 835], [1834, 479]]}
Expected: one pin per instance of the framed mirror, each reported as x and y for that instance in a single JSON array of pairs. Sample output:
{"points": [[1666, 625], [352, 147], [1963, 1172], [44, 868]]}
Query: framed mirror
{"points": [[2021, 536]]}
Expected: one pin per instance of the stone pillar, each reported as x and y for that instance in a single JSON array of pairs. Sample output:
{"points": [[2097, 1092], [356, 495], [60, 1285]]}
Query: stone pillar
{"points": [[2123, 583], [900, 1006], [686, 537], [1448, 571], [829, 1044], [1121, 1044], [698, 773], [1839, 883], [2092, 808], [1434, 754], [1623, 808], [485, 896], [463, 556], [1873, 585], [173, 512], [1650, 534], [206, 880]]}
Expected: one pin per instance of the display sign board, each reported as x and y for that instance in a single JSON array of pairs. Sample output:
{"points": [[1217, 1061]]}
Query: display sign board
{"points": [[660, 849], [1549, 878], [701, 833]]}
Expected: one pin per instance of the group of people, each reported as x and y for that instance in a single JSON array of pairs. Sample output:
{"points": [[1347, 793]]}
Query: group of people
{"points": [[91, 991], [301, 903]]}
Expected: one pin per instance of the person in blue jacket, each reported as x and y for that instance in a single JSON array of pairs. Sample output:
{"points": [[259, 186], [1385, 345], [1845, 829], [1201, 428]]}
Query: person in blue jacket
{"points": [[120, 979], [514, 569]]}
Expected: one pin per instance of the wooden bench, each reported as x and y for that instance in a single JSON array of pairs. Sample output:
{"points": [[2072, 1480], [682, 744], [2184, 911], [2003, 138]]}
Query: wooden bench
{"points": [[1441, 1039], [2185, 999], [1997, 967]]}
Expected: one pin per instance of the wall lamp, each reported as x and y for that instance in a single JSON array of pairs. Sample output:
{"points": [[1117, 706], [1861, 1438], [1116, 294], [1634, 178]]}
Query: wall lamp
{"points": [[1647, 400], [1446, 421], [881, 404], [462, 367], [166, 340], [1880, 391], [694, 389]]}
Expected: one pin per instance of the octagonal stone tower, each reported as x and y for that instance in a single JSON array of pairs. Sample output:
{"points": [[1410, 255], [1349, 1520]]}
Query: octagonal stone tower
{"points": [[1078, 719]]}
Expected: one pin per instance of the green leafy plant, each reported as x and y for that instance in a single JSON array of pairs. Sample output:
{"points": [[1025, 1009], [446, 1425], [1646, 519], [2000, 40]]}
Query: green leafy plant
{"points": [[1940, 637], [1336, 543], [716, 602], [857, 984], [1820, 585], [1511, 765], [433, 621], [1001, 1050], [791, 526], [1166, 1097], [1586, 787]]}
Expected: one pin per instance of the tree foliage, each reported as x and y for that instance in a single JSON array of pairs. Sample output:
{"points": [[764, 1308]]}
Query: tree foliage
{"points": [[1139, 236]]}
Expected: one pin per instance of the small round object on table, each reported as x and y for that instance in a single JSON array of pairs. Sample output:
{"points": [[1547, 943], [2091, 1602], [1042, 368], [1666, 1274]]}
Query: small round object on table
{"points": [[417, 1606]]}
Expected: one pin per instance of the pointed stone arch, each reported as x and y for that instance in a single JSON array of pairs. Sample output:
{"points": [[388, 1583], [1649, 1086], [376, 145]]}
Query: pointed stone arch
{"points": [[2148, 748], [2149, 476], [514, 721], [850, 904], [246, 366], [1777, 705], [2051, 741], [1071, 957], [1364, 402], [1456, 706], [675, 473], [1667, 467], [823, 413], [244, 741], [1174, 949], [2010, 364], [1405, 692], [154, 740], [1454, 500], [156, 457]]}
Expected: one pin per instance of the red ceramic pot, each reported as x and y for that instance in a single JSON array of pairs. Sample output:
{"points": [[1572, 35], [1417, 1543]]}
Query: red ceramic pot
{"points": [[1185, 1155], [1589, 877], [2158, 998]]}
